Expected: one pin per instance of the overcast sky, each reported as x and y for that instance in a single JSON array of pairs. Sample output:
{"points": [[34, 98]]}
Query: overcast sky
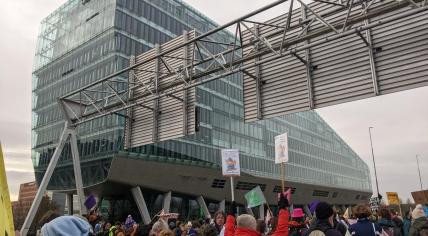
{"points": [[400, 120]]}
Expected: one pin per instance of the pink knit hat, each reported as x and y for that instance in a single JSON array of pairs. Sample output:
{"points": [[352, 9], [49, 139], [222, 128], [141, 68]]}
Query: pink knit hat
{"points": [[297, 213]]}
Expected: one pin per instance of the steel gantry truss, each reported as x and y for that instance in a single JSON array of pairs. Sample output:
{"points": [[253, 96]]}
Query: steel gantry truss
{"points": [[196, 60], [241, 53]]}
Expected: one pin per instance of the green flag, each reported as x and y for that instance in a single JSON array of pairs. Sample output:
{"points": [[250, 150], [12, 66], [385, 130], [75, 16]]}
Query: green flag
{"points": [[255, 197]]}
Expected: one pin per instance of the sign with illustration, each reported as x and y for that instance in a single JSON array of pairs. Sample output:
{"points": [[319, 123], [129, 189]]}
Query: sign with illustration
{"points": [[393, 198], [230, 162], [281, 148]]}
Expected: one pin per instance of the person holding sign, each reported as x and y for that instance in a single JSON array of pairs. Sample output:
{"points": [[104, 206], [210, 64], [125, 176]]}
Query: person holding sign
{"points": [[283, 217], [246, 224]]}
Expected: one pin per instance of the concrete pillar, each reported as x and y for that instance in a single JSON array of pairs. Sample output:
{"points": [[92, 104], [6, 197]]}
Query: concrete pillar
{"points": [[250, 211], [204, 207], [167, 202], [223, 205], [141, 204], [70, 203], [262, 212]]}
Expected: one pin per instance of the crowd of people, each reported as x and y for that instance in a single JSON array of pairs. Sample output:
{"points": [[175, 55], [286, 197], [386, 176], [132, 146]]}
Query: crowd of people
{"points": [[325, 222]]}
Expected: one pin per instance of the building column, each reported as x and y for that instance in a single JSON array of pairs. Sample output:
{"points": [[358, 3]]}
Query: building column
{"points": [[204, 207], [141, 204], [70, 203], [262, 212], [166, 202], [223, 205], [249, 211]]}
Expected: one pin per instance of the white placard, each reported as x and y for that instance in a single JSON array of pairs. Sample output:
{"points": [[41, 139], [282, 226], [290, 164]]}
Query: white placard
{"points": [[230, 162], [281, 148]]}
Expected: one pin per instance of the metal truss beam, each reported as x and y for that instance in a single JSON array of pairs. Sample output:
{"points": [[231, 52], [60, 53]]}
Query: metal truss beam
{"points": [[264, 47]]}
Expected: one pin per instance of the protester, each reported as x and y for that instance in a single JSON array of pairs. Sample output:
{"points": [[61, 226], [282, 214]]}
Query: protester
{"points": [[324, 223], [407, 221], [342, 228], [364, 227], [385, 222], [246, 224], [158, 227], [281, 228], [219, 220], [261, 227], [297, 224], [208, 230], [67, 226], [166, 232], [398, 221], [419, 222]]}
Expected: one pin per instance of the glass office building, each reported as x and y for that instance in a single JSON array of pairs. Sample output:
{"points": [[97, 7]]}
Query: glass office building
{"points": [[85, 40]]}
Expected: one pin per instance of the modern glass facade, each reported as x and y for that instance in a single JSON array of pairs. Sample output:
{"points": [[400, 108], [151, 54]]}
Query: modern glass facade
{"points": [[86, 40]]}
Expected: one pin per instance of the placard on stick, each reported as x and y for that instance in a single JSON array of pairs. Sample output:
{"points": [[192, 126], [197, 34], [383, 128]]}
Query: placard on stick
{"points": [[230, 162], [281, 148]]}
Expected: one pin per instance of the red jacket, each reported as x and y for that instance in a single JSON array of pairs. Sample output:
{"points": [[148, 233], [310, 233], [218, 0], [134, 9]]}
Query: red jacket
{"points": [[282, 226], [231, 231]]}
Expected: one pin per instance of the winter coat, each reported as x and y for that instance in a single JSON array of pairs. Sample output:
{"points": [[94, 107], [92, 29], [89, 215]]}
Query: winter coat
{"points": [[385, 224], [231, 231], [406, 226], [417, 225], [296, 228], [325, 227], [364, 227], [340, 227], [282, 226]]}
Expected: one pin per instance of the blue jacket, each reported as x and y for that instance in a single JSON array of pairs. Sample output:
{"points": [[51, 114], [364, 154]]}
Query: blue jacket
{"points": [[364, 227], [406, 226]]}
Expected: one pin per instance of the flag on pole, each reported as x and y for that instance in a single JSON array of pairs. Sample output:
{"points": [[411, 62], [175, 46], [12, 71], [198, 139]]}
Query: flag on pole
{"points": [[255, 197], [6, 217], [90, 202]]}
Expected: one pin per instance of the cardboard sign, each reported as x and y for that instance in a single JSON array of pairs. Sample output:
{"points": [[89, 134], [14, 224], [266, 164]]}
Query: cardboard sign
{"points": [[374, 203], [393, 198], [281, 148], [230, 162], [420, 197]]}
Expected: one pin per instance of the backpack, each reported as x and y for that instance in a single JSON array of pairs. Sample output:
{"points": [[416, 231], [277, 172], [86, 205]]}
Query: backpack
{"points": [[317, 232]]}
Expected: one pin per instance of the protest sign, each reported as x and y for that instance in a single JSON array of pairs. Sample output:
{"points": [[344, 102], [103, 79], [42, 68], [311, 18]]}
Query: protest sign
{"points": [[230, 162], [281, 148], [255, 197]]}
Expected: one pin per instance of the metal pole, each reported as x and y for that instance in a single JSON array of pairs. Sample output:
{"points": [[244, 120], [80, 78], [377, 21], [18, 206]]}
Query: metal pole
{"points": [[419, 170], [374, 163], [77, 172], [45, 181], [231, 188]]}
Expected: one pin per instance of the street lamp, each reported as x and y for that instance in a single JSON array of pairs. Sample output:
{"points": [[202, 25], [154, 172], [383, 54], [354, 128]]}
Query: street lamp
{"points": [[419, 170], [374, 163]]}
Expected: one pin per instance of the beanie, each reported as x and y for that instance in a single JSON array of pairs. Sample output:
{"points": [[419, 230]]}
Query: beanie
{"points": [[323, 211], [418, 212], [66, 225]]}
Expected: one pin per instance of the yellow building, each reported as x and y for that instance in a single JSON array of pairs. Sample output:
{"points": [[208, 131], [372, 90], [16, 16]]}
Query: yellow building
{"points": [[6, 217]]}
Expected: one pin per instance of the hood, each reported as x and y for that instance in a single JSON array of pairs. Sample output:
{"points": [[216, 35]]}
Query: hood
{"points": [[419, 222], [66, 225], [386, 223]]}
